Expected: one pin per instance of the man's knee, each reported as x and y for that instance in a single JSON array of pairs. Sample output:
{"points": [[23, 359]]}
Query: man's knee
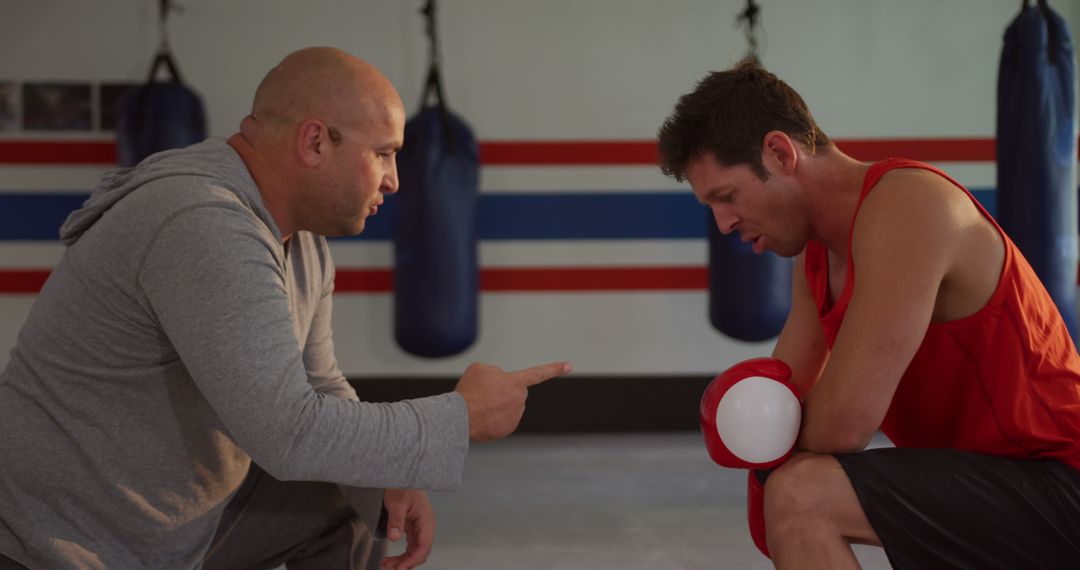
{"points": [[806, 492], [367, 503], [795, 489], [811, 494]]}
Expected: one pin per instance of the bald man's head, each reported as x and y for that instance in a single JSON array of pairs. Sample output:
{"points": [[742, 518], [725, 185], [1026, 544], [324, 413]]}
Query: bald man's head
{"points": [[321, 141], [324, 83]]}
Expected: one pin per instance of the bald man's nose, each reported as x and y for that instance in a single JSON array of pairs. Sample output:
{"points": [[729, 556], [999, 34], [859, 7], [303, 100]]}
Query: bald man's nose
{"points": [[390, 184]]}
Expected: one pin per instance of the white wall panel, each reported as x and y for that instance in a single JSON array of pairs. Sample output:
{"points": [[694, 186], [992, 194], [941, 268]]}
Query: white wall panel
{"points": [[527, 70]]}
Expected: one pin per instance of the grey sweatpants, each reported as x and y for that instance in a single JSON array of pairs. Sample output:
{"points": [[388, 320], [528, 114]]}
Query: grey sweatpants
{"points": [[300, 524]]}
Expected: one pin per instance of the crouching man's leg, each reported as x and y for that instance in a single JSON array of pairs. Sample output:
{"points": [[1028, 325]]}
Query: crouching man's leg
{"points": [[928, 508], [812, 515], [301, 524]]}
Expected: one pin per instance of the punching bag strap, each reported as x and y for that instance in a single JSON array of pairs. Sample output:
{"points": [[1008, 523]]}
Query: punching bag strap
{"points": [[164, 58], [433, 84], [1051, 29], [164, 52]]}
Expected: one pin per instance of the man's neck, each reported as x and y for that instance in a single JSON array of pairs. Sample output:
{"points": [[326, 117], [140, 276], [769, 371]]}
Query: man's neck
{"points": [[272, 187], [834, 180]]}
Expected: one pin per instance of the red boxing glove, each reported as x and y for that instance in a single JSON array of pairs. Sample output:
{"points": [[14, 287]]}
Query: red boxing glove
{"points": [[750, 414], [755, 510]]}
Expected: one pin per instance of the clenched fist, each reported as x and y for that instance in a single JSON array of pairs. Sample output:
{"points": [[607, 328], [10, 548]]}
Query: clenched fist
{"points": [[496, 398]]}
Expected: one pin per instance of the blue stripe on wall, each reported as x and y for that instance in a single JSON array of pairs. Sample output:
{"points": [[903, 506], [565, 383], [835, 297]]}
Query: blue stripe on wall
{"points": [[36, 216], [579, 216], [660, 215]]}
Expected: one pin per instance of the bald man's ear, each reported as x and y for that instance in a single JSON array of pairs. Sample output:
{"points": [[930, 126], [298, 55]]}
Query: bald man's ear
{"points": [[778, 153], [247, 127], [312, 142]]}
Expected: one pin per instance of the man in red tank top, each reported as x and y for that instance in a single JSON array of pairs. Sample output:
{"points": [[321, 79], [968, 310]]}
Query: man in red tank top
{"points": [[912, 313]]}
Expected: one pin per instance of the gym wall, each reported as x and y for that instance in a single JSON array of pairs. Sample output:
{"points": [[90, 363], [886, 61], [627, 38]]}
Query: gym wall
{"points": [[625, 302]]}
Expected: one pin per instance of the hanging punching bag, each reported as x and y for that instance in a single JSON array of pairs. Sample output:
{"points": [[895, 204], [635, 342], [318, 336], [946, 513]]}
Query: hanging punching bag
{"points": [[435, 235], [158, 116], [1036, 150], [749, 294]]}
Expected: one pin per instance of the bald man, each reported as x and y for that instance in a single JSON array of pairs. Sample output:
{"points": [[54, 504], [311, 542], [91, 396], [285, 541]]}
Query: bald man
{"points": [[174, 401]]}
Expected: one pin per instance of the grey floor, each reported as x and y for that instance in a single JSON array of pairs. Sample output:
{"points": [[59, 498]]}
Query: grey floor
{"points": [[598, 502]]}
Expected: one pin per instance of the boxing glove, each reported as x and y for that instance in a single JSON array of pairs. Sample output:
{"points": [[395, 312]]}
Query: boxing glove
{"points": [[755, 508], [750, 414]]}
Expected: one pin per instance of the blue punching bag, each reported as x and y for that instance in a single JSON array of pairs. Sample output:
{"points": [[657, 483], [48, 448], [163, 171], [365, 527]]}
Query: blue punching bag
{"points": [[749, 294], [158, 116], [435, 232], [1036, 150]]}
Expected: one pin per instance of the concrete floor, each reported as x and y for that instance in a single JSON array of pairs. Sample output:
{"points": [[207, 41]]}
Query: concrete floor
{"points": [[598, 502]]}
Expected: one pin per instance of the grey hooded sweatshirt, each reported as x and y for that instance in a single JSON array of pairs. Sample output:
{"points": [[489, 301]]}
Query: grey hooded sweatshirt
{"points": [[176, 341]]}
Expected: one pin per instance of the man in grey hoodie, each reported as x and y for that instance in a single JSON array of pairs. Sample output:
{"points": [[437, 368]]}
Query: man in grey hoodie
{"points": [[173, 400]]}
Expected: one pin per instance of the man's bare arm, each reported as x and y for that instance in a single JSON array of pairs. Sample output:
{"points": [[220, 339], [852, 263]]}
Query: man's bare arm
{"points": [[903, 245], [802, 342]]}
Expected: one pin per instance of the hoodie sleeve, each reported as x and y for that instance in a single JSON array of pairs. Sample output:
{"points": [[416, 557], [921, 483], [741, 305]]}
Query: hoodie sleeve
{"points": [[319, 359], [213, 281]]}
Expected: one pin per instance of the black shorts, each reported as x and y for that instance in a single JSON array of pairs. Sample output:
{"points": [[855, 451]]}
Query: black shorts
{"points": [[943, 508]]}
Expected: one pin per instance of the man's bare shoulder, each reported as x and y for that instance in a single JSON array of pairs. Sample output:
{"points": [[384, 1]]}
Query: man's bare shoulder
{"points": [[909, 219], [919, 183], [920, 198], [923, 223]]}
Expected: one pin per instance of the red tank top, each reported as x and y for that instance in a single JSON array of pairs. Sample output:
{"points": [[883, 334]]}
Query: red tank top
{"points": [[1004, 381]]}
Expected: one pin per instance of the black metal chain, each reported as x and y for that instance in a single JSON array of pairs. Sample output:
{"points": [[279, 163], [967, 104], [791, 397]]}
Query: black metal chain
{"points": [[433, 84], [748, 19], [434, 51], [164, 8]]}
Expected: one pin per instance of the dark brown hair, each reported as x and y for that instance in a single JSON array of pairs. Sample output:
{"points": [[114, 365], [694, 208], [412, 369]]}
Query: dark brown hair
{"points": [[728, 114]]}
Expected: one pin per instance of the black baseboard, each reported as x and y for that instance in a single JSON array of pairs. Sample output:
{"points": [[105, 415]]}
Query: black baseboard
{"points": [[577, 403]]}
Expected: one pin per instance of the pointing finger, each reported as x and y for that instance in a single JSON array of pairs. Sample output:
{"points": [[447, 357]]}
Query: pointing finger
{"points": [[544, 372]]}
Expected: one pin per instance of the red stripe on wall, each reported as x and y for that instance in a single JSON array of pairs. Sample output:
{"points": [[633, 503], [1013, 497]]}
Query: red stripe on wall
{"points": [[23, 280], [927, 150], [517, 280], [567, 152], [510, 153], [550, 153], [363, 280], [543, 279], [504, 280], [546, 279], [593, 279], [58, 152]]}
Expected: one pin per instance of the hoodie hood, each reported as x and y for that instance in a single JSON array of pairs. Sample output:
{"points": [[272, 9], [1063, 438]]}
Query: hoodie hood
{"points": [[212, 158]]}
